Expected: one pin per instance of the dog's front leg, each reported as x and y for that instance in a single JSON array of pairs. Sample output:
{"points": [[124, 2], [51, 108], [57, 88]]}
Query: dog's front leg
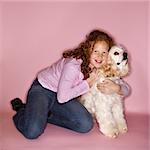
{"points": [[106, 121], [119, 117]]}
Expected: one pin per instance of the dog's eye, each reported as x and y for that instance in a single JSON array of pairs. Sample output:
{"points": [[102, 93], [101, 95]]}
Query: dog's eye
{"points": [[116, 53]]}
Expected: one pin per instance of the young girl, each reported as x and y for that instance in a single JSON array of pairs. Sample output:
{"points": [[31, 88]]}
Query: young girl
{"points": [[53, 95]]}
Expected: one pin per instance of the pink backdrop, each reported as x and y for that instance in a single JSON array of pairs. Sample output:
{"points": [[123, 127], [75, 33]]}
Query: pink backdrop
{"points": [[35, 34]]}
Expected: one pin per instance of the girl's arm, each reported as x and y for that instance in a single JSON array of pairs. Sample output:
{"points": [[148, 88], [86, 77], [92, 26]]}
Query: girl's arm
{"points": [[66, 89]]}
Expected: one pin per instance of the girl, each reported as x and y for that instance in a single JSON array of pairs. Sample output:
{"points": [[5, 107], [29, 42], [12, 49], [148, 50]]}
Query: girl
{"points": [[53, 95]]}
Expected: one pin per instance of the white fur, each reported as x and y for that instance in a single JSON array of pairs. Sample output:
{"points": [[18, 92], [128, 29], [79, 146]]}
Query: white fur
{"points": [[107, 109]]}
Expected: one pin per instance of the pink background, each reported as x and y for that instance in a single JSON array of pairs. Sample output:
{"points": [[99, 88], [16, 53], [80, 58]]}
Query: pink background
{"points": [[34, 34]]}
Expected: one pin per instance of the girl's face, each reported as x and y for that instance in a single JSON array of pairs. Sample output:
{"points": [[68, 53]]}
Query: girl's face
{"points": [[99, 54]]}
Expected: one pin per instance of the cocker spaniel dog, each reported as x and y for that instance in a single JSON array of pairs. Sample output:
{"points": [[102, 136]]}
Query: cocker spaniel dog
{"points": [[108, 109]]}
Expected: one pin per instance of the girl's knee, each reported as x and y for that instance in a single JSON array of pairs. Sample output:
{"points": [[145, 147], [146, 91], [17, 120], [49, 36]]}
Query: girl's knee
{"points": [[33, 133], [85, 124]]}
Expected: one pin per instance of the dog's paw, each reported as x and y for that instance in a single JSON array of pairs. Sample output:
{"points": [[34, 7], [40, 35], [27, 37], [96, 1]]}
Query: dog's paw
{"points": [[112, 135], [122, 128], [111, 132]]}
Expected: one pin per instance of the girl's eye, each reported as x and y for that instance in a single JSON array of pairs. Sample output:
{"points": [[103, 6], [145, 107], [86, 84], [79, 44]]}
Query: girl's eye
{"points": [[104, 53]]}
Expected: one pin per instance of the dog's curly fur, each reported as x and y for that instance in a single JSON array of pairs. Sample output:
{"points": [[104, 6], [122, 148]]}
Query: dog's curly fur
{"points": [[107, 109]]}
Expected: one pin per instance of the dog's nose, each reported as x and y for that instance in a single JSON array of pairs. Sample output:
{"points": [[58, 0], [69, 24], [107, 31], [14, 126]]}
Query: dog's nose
{"points": [[125, 56]]}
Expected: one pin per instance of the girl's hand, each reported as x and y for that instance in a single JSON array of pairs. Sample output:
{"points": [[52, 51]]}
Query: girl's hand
{"points": [[92, 79], [109, 87]]}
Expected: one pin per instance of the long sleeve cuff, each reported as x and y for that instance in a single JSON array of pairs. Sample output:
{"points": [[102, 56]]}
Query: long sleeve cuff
{"points": [[125, 89]]}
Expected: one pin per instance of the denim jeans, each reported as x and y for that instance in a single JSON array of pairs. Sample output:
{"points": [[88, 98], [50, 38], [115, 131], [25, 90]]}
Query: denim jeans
{"points": [[42, 107]]}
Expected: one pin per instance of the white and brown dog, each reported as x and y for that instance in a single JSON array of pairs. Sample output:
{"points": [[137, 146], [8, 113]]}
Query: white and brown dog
{"points": [[107, 109]]}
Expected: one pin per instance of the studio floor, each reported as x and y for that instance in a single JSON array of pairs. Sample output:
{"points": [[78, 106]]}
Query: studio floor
{"points": [[59, 138]]}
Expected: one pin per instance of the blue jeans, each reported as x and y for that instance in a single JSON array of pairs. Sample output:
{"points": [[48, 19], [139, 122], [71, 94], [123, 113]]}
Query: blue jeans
{"points": [[42, 107]]}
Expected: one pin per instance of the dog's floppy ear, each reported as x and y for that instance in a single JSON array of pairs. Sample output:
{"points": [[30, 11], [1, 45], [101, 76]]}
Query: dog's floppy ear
{"points": [[125, 72]]}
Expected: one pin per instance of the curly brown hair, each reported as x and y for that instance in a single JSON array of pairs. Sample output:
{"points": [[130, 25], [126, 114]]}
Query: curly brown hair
{"points": [[84, 49]]}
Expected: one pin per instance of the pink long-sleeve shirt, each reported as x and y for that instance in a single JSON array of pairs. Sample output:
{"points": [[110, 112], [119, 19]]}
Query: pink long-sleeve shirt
{"points": [[65, 78]]}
